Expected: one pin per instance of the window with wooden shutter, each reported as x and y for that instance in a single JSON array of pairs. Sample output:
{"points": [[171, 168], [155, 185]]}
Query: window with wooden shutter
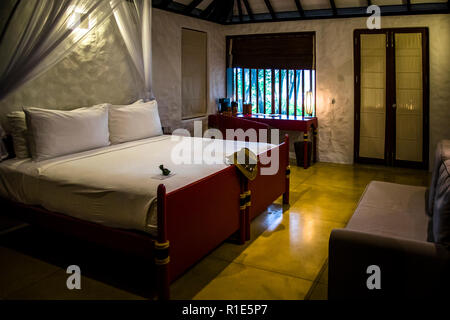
{"points": [[273, 72]]}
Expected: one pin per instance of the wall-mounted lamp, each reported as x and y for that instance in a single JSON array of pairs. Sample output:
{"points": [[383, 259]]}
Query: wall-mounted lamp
{"points": [[309, 104], [80, 21], [75, 22]]}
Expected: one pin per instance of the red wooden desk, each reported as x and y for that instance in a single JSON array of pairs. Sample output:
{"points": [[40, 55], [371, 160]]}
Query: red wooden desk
{"points": [[290, 123]]}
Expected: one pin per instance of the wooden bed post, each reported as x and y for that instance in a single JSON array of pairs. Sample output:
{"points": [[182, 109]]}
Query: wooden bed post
{"points": [[288, 171], [247, 212], [243, 210], [162, 257], [248, 195]]}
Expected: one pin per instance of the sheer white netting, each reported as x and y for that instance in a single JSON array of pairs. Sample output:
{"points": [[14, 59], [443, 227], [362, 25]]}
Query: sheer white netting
{"points": [[37, 34], [3, 151], [134, 21]]}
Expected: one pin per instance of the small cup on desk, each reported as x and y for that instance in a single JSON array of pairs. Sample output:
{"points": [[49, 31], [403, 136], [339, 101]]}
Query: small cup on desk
{"points": [[247, 108], [227, 112], [234, 108]]}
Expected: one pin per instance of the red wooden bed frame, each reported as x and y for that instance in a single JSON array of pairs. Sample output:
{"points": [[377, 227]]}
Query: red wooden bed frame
{"points": [[219, 205]]}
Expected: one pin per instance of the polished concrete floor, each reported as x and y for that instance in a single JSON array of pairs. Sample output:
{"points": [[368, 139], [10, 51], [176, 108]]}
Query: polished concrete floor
{"points": [[286, 258]]}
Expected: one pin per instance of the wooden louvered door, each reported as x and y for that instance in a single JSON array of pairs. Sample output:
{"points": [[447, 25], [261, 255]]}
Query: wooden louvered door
{"points": [[391, 97]]}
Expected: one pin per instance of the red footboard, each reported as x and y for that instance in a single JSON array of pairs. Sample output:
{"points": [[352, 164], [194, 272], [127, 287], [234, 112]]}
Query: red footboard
{"points": [[199, 217], [267, 188]]}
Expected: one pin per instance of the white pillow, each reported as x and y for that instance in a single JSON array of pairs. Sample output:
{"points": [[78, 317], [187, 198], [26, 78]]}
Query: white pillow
{"points": [[53, 133], [18, 130], [134, 122], [124, 105]]}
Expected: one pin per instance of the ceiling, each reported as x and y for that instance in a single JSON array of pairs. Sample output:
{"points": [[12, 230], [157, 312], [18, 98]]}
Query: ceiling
{"points": [[250, 11]]}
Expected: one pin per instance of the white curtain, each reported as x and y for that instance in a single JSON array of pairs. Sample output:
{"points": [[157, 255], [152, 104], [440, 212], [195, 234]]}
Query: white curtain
{"points": [[3, 151], [40, 33], [134, 20]]}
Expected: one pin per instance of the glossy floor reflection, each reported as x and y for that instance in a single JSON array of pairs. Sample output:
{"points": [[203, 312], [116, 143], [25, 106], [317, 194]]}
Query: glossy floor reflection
{"points": [[285, 259]]}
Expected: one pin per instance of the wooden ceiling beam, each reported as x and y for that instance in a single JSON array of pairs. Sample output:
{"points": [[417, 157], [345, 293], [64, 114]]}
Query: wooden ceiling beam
{"points": [[249, 10], [192, 6], [239, 5], [165, 3], [229, 16], [207, 12], [269, 7], [300, 8], [220, 10], [333, 7]]}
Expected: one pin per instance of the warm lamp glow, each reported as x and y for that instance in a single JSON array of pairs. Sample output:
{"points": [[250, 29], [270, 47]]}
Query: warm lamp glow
{"points": [[309, 107], [74, 22]]}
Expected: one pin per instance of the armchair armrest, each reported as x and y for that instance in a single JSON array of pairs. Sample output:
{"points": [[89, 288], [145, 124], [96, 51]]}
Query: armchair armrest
{"points": [[407, 268]]}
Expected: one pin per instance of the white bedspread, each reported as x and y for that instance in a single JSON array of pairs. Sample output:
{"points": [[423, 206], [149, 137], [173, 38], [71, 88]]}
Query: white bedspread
{"points": [[112, 186]]}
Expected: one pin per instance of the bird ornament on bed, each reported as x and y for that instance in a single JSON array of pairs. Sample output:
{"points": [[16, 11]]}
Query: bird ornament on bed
{"points": [[165, 171]]}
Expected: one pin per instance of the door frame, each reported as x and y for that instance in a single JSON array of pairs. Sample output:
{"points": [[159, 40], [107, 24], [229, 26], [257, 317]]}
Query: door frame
{"points": [[390, 133]]}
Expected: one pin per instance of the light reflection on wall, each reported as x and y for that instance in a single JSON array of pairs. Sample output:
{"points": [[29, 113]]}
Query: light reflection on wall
{"points": [[79, 27]]}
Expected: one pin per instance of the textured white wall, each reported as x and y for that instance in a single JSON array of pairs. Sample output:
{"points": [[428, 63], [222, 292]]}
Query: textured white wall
{"points": [[167, 64], [334, 49]]}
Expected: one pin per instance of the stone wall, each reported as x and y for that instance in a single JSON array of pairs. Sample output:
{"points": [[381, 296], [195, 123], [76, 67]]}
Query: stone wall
{"points": [[167, 65]]}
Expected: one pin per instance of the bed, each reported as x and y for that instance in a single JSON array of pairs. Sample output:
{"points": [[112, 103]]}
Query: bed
{"points": [[113, 196]]}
